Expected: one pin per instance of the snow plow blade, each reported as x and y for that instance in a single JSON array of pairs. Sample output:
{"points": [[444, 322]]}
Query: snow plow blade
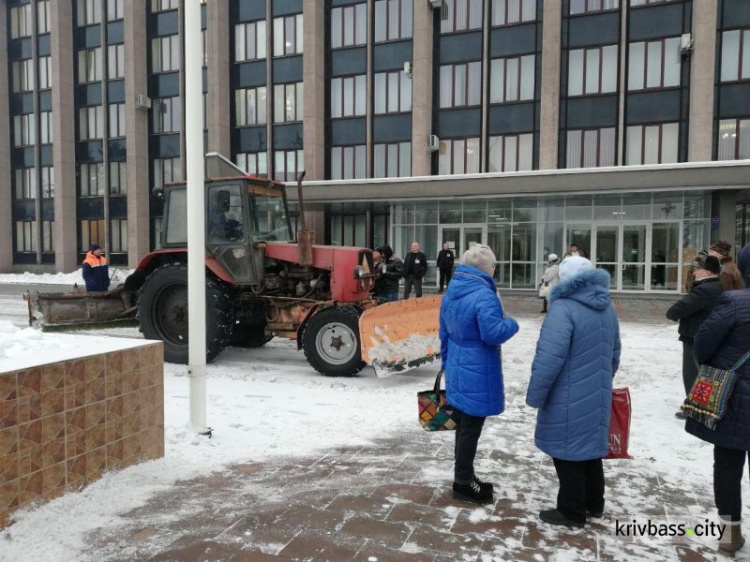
{"points": [[402, 335], [72, 309]]}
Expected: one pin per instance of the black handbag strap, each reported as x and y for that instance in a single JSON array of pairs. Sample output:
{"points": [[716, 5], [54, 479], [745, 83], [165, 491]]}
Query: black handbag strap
{"points": [[437, 385], [742, 361]]}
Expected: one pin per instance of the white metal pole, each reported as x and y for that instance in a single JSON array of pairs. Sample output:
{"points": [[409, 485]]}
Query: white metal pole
{"points": [[194, 155]]}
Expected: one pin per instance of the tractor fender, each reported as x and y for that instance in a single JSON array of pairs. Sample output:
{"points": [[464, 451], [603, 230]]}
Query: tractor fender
{"points": [[158, 258]]}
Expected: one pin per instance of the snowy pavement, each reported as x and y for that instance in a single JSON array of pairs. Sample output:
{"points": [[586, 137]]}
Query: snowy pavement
{"points": [[302, 466]]}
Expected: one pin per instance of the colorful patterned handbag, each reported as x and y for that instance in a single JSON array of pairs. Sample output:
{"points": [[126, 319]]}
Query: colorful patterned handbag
{"points": [[434, 413], [709, 397]]}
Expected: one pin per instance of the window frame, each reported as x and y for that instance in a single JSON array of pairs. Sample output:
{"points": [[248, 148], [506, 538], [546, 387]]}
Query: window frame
{"points": [[741, 55], [158, 6], [25, 184], [88, 13], [738, 136], [116, 61], [20, 22], [23, 75], [175, 54], [173, 115], [45, 72], [85, 176], [453, 85], [403, 170], [118, 234], [662, 64], [26, 237], [47, 181], [297, 45], [504, 139], [404, 102], [584, 71], [242, 106], [593, 10], [642, 155], [164, 167], [118, 170], [116, 6], [354, 152], [117, 123], [452, 156], [299, 102], [495, 5], [469, 12], [48, 237], [259, 45], [90, 60], [403, 20], [582, 158], [519, 81], [243, 158], [46, 127], [354, 9], [362, 105], [87, 115], [43, 17], [299, 158], [89, 226], [24, 130]]}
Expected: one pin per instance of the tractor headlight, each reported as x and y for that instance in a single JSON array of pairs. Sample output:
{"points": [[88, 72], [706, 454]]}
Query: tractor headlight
{"points": [[359, 272]]}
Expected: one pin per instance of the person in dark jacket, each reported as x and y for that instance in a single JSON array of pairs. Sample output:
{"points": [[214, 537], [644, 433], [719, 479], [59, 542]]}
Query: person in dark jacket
{"points": [[391, 273], [691, 310], [95, 270], [731, 279], [415, 267], [722, 340], [577, 356], [445, 261], [472, 328]]}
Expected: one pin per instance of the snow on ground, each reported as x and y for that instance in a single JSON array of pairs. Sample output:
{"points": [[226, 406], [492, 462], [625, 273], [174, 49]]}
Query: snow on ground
{"points": [[117, 275], [262, 401]]}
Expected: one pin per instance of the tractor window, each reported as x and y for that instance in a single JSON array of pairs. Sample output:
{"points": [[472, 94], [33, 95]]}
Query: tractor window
{"points": [[177, 219], [225, 222], [270, 219]]}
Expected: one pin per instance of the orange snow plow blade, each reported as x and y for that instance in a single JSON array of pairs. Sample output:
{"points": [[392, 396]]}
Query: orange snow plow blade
{"points": [[402, 335]]}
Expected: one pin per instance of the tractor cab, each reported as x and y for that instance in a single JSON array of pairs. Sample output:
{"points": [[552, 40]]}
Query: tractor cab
{"points": [[242, 214]]}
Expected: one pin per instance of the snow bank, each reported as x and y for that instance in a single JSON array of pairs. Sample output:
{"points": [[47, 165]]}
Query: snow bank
{"points": [[117, 275]]}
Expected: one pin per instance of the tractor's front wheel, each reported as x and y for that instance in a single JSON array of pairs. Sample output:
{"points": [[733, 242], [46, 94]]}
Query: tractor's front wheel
{"points": [[163, 313], [331, 342]]}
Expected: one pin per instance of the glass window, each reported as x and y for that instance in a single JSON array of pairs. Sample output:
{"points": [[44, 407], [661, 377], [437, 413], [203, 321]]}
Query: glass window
{"points": [[459, 156], [592, 6], [254, 163], [45, 73], [592, 71], [42, 17], [508, 12], [118, 178], [115, 62], [24, 129], [591, 148], [734, 139], [512, 79], [118, 230], [652, 144], [166, 114], [165, 53], [89, 12], [646, 2], [392, 92], [116, 120], [392, 160], [287, 164], [250, 41], [460, 84], [164, 5], [48, 240], [46, 131], [92, 232], [348, 162], [735, 55], [511, 153], [250, 106], [91, 180], [348, 96], [115, 10], [26, 236], [654, 64], [461, 15], [288, 102], [21, 23], [287, 35], [89, 65], [167, 170], [23, 75], [393, 19], [48, 181], [25, 183], [349, 26]]}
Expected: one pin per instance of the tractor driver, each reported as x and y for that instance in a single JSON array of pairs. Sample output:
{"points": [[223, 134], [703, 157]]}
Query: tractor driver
{"points": [[221, 227]]}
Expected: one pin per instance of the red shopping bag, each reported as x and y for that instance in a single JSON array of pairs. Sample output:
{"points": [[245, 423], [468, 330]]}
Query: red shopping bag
{"points": [[619, 424]]}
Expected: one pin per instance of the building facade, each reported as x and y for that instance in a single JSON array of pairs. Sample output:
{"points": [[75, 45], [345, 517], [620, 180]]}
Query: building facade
{"points": [[456, 93]]}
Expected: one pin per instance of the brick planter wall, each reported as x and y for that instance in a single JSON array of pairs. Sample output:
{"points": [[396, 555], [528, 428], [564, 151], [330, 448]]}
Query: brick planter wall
{"points": [[64, 424]]}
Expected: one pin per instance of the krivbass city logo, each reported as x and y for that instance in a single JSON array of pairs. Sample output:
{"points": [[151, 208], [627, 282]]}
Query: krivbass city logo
{"points": [[706, 528]]}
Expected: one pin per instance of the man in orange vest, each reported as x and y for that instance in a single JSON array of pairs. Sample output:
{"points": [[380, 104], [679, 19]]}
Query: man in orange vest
{"points": [[95, 270]]}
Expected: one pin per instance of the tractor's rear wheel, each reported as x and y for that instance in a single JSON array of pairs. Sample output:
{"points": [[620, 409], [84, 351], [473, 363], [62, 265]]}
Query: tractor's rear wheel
{"points": [[163, 313], [331, 342]]}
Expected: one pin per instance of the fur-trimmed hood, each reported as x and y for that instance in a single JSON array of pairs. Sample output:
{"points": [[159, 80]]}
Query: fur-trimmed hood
{"points": [[590, 287]]}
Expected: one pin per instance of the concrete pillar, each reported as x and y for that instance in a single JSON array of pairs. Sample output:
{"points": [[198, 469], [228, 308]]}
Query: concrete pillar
{"points": [[6, 192], [422, 76], [219, 62], [64, 119], [313, 63], [549, 129], [702, 81], [136, 82]]}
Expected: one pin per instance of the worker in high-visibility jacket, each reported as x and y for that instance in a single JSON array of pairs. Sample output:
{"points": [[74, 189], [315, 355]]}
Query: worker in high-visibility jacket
{"points": [[95, 270]]}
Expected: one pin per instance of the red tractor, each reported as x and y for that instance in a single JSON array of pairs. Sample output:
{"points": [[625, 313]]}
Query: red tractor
{"points": [[259, 282]]}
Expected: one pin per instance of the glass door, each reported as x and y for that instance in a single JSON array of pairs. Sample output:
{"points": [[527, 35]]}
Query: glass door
{"points": [[607, 248], [665, 256], [633, 257], [462, 237], [473, 235]]}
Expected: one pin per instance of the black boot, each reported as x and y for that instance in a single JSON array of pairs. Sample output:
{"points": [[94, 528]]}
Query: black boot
{"points": [[472, 493], [484, 485], [554, 517]]}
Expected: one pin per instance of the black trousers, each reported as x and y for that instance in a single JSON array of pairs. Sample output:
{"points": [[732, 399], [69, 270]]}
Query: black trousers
{"points": [[581, 488], [467, 437], [412, 281], [445, 277], [729, 465], [689, 368]]}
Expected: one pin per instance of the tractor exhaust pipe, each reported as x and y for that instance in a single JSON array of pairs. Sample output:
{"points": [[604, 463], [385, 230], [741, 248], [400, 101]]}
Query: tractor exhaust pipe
{"points": [[304, 236]]}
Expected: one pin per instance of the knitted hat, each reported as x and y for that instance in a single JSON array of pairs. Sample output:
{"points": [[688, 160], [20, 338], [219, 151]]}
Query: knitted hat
{"points": [[482, 257], [95, 247], [721, 247], [572, 266]]}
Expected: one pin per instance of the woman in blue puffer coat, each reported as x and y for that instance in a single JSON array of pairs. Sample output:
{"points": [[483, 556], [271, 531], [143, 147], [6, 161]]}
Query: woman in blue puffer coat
{"points": [[577, 355], [472, 327]]}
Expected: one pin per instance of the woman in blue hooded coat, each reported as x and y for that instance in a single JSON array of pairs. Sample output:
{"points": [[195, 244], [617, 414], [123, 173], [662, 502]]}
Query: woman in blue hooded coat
{"points": [[472, 327], [577, 355]]}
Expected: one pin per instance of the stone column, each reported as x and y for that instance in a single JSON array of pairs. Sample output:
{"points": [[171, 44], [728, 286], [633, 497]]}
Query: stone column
{"points": [[219, 62], [136, 82], [549, 129], [6, 192], [702, 81], [422, 76], [313, 62], [64, 120]]}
